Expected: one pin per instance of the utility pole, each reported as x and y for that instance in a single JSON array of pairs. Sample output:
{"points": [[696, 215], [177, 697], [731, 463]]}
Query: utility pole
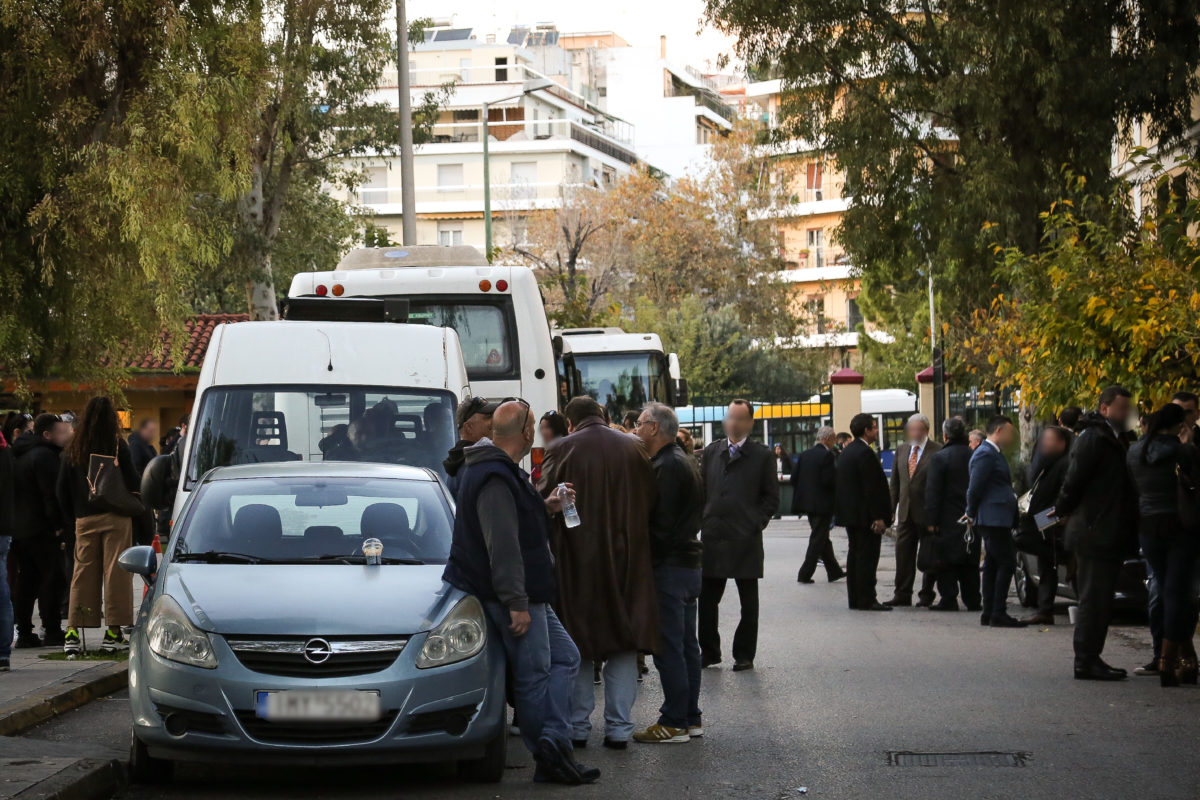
{"points": [[408, 194], [939, 362]]}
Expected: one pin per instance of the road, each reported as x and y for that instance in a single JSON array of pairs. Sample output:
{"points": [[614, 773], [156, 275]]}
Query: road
{"points": [[834, 693]]}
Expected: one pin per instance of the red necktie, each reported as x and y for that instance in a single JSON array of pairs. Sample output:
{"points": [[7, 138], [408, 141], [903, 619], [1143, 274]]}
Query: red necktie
{"points": [[913, 452]]}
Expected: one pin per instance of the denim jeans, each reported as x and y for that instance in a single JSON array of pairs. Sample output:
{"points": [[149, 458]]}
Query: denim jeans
{"points": [[543, 664], [678, 656], [1171, 559], [6, 609], [620, 692], [1154, 609], [999, 564]]}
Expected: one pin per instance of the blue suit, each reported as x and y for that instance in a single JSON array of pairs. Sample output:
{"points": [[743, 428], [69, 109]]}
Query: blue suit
{"points": [[993, 506]]}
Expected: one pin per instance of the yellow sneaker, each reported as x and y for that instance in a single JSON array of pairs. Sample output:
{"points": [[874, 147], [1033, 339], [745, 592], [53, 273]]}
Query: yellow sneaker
{"points": [[662, 734]]}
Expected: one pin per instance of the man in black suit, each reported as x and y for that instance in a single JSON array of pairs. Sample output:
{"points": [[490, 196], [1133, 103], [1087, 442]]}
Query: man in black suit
{"points": [[741, 495], [908, 496], [813, 483], [864, 507], [945, 503]]}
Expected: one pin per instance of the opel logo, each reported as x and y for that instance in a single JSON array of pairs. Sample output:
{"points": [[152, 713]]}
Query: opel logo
{"points": [[317, 651]]}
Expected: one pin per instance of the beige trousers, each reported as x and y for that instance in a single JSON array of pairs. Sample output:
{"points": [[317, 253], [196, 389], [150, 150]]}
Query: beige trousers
{"points": [[99, 541]]}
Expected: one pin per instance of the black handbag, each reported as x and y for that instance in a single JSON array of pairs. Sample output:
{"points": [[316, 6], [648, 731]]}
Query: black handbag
{"points": [[107, 490]]}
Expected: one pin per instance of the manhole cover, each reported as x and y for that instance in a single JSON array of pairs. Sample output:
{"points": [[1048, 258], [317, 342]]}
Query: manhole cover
{"points": [[990, 759]]}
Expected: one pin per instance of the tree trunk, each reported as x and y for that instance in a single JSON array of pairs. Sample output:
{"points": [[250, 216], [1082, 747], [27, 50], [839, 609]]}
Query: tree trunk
{"points": [[260, 292]]}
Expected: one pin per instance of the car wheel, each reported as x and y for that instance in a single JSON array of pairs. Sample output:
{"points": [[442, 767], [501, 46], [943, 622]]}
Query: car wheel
{"points": [[145, 768], [490, 768], [1026, 591]]}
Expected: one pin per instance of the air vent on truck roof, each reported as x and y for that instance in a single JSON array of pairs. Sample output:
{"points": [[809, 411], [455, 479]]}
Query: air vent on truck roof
{"points": [[419, 255]]}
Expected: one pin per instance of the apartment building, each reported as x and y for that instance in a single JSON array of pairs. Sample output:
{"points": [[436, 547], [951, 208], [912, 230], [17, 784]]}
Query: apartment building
{"points": [[542, 144]]}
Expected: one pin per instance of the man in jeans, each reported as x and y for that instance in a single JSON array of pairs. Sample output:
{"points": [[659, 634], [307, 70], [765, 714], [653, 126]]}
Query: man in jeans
{"points": [[501, 554], [675, 552]]}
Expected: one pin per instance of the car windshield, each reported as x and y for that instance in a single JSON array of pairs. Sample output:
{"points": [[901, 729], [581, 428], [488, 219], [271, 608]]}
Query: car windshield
{"points": [[256, 424], [315, 520], [622, 381]]}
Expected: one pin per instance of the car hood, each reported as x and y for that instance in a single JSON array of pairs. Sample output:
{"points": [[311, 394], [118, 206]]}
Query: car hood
{"points": [[311, 599]]}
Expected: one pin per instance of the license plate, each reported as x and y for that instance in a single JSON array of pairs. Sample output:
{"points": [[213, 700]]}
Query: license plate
{"points": [[302, 706]]}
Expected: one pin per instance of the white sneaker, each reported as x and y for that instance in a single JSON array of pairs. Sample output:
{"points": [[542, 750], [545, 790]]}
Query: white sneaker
{"points": [[695, 731]]}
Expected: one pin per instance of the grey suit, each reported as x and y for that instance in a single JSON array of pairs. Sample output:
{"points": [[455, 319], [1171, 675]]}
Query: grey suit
{"points": [[908, 495]]}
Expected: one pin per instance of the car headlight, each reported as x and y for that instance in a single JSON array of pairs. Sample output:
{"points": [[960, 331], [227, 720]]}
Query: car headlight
{"points": [[173, 636], [461, 635]]}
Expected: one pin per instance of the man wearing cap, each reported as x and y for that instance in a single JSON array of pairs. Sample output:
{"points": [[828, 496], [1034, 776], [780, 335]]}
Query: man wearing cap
{"points": [[474, 419]]}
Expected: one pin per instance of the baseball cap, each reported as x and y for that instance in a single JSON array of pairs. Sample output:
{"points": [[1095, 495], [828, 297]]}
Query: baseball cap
{"points": [[472, 406]]}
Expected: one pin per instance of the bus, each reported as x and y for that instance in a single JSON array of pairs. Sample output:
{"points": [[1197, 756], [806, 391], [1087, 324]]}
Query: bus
{"points": [[497, 312], [622, 371]]}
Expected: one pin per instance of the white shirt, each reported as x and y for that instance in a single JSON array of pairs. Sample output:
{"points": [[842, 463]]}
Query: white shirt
{"points": [[993, 444], [920, 447], [732, 444]]}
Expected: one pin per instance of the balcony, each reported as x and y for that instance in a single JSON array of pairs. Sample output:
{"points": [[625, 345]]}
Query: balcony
{"points": [[548, 131], [467, 198]]}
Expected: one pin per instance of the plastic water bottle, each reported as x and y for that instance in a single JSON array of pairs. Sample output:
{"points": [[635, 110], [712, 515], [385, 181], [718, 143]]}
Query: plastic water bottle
{"points": [[570, 513]]}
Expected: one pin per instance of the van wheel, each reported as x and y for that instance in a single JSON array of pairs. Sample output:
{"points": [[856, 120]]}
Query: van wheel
{"points": [[1026, 591], [490, 768], [144, 768]]}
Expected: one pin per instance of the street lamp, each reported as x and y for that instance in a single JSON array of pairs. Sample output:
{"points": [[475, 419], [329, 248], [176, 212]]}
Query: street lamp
{"points": [[528, 87]]}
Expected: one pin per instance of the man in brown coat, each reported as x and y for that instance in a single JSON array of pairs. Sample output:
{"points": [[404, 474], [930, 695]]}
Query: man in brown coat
{"points": [[606, 595], [908, 498]]}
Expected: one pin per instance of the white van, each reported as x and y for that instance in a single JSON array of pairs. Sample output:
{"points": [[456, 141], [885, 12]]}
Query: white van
{"points": [[324, 391], [623, 371], [497, 312]]}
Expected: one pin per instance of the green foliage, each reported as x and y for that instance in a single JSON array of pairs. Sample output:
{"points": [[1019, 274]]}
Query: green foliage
{"points": [[952, 123], [1107, 299]]}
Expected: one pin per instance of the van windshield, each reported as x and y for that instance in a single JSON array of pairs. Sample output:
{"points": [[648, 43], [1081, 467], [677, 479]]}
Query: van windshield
{"points": [[622, 381], [255, 424], [485, 331]]}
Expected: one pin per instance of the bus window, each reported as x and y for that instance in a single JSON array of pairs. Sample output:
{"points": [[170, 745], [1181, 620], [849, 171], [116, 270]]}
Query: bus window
{"points": [[622, 381], [485, 332]]}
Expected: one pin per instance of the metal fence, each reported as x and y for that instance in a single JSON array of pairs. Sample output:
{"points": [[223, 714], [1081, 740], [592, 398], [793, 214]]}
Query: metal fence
{"points": [[976, 406]]}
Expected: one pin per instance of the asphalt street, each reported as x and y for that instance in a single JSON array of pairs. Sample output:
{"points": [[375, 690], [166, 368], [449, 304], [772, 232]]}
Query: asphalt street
{"points": [[835, 693]]}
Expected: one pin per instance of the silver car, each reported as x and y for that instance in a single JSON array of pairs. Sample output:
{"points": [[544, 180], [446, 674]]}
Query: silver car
{"points": [[299, 616]]}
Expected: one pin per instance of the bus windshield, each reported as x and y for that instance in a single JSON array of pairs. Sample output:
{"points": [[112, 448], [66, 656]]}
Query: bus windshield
{"points": [[485, 329], [254, 424], [622, 381]]}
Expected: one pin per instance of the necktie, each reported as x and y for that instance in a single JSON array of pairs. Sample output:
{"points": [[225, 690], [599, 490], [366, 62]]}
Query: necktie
{"points": [[733, 449], [914, 452]]}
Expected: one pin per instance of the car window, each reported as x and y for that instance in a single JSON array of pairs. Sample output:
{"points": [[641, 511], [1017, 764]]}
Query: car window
{"points": [[289, 519]]}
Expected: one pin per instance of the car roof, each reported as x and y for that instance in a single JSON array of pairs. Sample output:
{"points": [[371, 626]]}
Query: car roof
{"points": [[319, 469]]}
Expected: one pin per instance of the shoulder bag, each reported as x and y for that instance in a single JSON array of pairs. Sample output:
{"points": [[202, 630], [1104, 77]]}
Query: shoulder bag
{"points": [[106, 487]]}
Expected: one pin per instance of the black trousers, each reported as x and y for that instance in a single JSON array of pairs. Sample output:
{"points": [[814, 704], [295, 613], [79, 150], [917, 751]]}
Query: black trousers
{"points": [[745, 638], [999, 565], [861, 563], [908, 538], [820, 548], [42, 580], [1096, 580], [962, 580], [1047, 566]]}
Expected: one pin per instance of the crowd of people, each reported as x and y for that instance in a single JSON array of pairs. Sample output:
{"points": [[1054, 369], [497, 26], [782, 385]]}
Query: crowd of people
{"points": [[1098, 495], [59, 542]]}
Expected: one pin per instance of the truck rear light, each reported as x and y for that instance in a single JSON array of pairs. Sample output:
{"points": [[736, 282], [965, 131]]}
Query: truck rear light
{"points": [[322, 290], [338, 290], [537, 455], [485, 285], [502, 286]]}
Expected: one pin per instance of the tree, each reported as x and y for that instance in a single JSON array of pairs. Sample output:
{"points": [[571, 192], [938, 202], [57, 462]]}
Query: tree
{"points": [[1107, 298], [119, 123], [952, 121]]}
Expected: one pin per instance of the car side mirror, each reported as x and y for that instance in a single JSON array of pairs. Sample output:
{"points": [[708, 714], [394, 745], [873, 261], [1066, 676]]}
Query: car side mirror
{"points": [[141, 560]]}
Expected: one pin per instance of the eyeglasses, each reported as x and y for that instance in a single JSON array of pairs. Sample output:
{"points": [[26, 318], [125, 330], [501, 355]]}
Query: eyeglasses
{"points": [[522, 401], [642, 422]]}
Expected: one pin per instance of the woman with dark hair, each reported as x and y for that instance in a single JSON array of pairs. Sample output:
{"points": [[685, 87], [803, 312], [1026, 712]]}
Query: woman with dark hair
{"points": [[783, 462], [16, 424], [1164, 473], [100, 535]]}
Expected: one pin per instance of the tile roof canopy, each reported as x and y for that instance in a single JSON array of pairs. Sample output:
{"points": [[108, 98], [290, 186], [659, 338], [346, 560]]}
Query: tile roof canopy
{"points": [[197, 333]]}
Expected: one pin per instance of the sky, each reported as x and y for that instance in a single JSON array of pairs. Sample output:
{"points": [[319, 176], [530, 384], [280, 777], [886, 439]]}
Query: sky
{"points": [[639, 23]]}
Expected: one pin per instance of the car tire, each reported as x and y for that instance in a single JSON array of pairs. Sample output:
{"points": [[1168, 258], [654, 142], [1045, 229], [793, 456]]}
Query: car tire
{"points": [[145, 768], [1026, 591], [490, 768]]}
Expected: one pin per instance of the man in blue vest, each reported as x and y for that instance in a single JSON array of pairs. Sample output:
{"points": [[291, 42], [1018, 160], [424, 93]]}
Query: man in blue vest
{"points": [[501, 554]]}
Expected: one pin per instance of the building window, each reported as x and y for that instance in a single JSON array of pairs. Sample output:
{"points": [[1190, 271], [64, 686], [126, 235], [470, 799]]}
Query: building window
{"points": [[374, 186], [464, 69], [816, 247], [501, 74], [814, 190], [450, 177], [816, 313], [450, 233], [854, 315], [523, 179]]}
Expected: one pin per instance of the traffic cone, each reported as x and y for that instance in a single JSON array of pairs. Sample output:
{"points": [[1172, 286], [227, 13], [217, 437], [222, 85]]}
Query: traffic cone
{"points": [[157, 544]]}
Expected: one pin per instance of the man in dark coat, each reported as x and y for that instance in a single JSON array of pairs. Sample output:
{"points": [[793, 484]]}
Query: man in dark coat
{"points": [[6, 531], [813, 483], [992, 510], [864, 507], [607, 598], [908, 495], [945, 504], [1054, 443], [141, 445], [39, 524], [741, 495], [474, 420], [1097, 502]]}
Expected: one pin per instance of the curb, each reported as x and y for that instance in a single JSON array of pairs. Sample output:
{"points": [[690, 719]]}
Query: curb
{"points": [[86, 779], [62, 696]]}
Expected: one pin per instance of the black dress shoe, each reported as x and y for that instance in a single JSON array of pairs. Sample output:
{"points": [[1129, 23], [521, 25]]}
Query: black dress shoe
{"points": [[1039, 619], [709, 662], [894, 603], [944, 607], [1098, 671], [801, 579], [579, 744], [837, 576], [742, 666], [876, 607], [1110, 667], [1007, 622], [985, 619], [616, 744], [552, 765], [924, 603]]}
